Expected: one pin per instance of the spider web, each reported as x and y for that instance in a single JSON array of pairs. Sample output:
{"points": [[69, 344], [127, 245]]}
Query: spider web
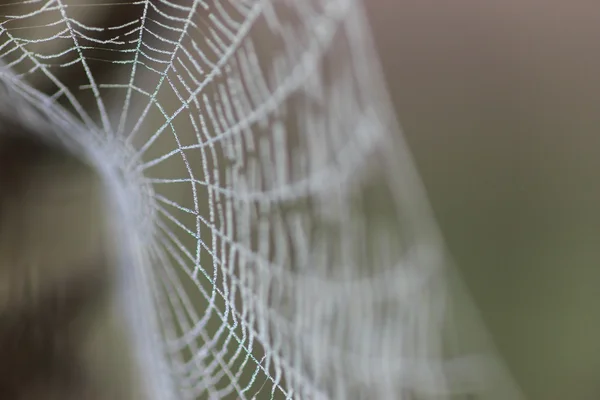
{"points": [[276, 240]]}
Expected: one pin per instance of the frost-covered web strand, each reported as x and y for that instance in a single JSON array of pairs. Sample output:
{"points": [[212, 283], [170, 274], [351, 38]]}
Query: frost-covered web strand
{"points": [[249, 145]]}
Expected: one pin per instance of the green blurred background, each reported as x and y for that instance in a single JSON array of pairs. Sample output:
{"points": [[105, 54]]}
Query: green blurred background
{"points": [[499, 102]]}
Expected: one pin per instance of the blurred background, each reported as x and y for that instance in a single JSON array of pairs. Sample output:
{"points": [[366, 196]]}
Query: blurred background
{"points": [[499, 104]]}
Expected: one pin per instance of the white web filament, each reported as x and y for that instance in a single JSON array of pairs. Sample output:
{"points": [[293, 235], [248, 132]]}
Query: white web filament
{"points": [[278, 244]]}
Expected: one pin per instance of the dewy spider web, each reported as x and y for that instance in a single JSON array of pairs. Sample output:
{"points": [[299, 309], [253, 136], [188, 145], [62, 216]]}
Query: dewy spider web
{"points": [[277, 241]]}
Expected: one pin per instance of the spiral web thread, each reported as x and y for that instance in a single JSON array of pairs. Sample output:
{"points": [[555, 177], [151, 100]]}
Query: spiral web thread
{"points": [[281, 242]]}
